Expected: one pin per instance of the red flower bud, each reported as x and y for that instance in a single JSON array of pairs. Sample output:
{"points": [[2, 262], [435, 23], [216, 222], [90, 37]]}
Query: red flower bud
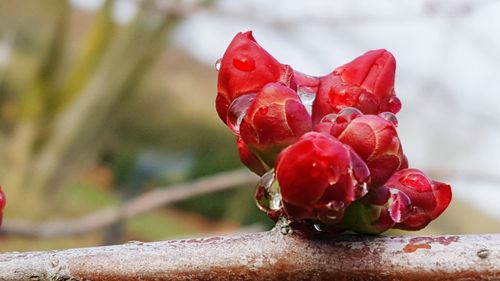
{"points": [[319, 177], [3, 201], [366, 83], [245, 68], [249, 159], [374, 71], [428, 198], [275, 119], [374, 139]]}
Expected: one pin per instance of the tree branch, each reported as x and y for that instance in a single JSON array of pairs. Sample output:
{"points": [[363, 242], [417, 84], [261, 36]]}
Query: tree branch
{"points": [[146, 202], [269, 256]]}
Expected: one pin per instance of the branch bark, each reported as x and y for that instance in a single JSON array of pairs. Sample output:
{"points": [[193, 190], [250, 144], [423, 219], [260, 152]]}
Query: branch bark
{"points": [[269, 256], [146, 202]]}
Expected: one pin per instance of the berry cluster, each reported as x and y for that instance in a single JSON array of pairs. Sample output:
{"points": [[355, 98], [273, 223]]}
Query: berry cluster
{"points": [[326, 147]]}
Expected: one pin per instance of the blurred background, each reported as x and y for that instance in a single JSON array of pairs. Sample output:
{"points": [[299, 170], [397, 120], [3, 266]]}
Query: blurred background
{"points": [[108, 131]]}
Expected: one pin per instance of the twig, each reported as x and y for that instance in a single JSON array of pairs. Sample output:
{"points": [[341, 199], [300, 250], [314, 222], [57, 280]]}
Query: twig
{"points": [[143, 203], [269, 256]]}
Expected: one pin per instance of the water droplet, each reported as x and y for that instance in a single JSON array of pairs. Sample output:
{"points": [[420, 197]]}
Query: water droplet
{"points": [[263, 110], [394, 104], [361, 190], [368, 103], [335, 205], [483, 253], [331, 212], [267, 194], [307, 96], [275, 203], [389, 116], [315, 170], [329, 118], [267, 179], [319, 227], [416, 181], [237, 111], [416, 210], [284, 225], [348, 114], [399, 205], [244, 64], [217, 64]]}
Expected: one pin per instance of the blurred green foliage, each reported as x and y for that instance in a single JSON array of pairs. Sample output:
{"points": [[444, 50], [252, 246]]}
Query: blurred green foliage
{"points": [[94, 112]]}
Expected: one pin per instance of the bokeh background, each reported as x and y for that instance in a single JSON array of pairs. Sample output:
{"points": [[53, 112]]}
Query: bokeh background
{"points": [[104, 101]]}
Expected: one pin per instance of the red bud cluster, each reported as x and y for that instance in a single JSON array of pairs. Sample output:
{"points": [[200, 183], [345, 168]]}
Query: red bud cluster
{"points": [[327, 147]]}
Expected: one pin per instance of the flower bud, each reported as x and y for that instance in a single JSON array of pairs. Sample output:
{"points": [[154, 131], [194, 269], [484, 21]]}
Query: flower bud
{"points": [[3, 201], [275, 119], [428, 198], [372, 137], [319, 177], [366, 83], [245, 68]]}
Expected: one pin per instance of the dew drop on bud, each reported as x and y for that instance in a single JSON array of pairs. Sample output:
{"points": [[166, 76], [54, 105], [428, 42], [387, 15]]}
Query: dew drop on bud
{"points": [[394, 104], [237, 111], [263, 110], [319, 227], [399, 205], [389, 116], [361, 190], [333, 174], [329, 118], [244, 63], [348, 114], [368, 103], [335, 205], [283, 224], [217, 64], [417, 182], [307, 96], [267, 194], [331, 212], [314, 171]]}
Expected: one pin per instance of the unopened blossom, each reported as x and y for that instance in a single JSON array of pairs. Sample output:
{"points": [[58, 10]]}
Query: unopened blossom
{"points": [[374, 138], [366, 83], [327, 147], [428, 198], [245, 68], [319, 177], [3, 201], [275, 119]]}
